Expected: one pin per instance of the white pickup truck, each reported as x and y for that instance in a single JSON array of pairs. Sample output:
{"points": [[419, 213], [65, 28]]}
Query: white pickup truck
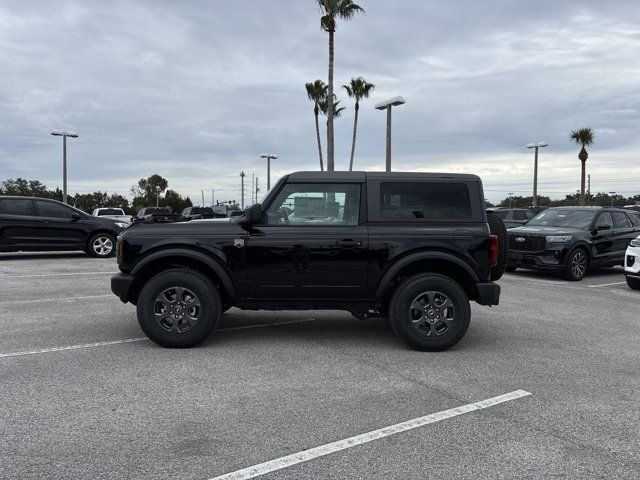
{"points": [[113, 213]]}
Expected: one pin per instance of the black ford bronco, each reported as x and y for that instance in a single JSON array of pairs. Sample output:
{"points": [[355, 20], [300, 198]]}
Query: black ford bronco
{"points": [[414, 247]]}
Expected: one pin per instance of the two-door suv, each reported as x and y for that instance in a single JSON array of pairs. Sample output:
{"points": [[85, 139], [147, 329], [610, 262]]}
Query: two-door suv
{"points": [[415, 247], [570, 240]]}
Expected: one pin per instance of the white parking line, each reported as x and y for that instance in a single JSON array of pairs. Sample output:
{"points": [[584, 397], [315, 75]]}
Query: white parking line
{"points": [[321, 451], [63, 299], [56, 274], [607, 284], [137, 339], [72, 347]]}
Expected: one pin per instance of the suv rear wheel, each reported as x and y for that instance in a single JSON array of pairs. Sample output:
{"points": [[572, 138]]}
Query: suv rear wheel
{"points": [[633, 283], [179, 308], [430, 312]]}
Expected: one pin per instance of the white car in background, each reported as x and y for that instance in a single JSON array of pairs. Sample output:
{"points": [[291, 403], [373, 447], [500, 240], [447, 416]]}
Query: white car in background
{"points": [[113, 213], [632, 264]]}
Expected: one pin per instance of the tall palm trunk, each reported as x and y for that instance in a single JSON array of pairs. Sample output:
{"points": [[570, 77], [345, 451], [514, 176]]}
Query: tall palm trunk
{"points": [[583, 155], [355, 129], [330, 150], [317, 112]]}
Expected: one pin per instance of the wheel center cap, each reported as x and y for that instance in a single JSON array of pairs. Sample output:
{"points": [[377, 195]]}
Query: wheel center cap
{"points": [[431, 313]]}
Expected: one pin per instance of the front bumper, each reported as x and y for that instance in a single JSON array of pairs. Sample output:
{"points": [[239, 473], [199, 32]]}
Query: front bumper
{"points": [[550, 260], [632, 261], [121, 285], [488, 293]]}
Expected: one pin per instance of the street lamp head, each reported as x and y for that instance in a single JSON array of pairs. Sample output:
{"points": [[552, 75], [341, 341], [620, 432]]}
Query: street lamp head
{"points": [[537, 145], [390, 102], [59, 133], [269, 155]]}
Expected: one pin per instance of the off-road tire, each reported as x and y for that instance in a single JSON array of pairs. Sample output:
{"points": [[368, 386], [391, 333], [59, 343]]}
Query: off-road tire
{"points": [[206, 294], [98, 243], [633, 283], [401, 313], [496, 227]]}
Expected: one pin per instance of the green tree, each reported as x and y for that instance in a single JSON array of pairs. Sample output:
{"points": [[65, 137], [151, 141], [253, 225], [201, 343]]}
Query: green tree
{"points": [[29, 188], [174, 200], [358, 88], [148, 190], [337, 110], [317, 92], [332, 10], [583, 137]]}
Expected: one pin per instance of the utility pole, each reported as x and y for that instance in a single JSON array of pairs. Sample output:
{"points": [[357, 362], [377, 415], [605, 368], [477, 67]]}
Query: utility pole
{"points": [[510, 198], [257, 189], [212, 202], [203, 198], [64, 136], [253, 182], [242, 190], [612, 194]]}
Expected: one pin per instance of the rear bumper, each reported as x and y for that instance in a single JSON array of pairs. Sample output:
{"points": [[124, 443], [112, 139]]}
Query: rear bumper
{"points": [[488, 293], [121, 286]]}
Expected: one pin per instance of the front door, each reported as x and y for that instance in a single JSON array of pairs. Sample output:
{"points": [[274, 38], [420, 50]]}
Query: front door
{"points": [[604, 238], [310, 244], [58, 227]]}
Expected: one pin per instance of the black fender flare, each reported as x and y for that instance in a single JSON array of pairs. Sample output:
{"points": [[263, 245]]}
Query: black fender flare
{"points": [[415, 257], [207, 260], [580, 244]]}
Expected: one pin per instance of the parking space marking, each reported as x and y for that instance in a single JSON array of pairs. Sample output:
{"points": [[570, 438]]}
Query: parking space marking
{"points": [[138, 339], [607, 284], [57, 274], [72, 347], [38, 300], [321, 451]]}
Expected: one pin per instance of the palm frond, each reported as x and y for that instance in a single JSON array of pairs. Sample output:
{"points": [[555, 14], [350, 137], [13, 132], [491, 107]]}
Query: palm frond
{"points": [[582, 136], [359, 88]]}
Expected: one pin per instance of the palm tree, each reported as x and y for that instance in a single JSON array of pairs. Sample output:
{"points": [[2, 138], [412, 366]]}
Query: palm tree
{"points": [[331, 10], [584, 137], [337, 111], [358, 88], [317, 92]]}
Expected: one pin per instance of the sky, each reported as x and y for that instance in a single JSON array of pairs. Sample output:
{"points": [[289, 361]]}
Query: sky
{"points": [[197, 90]]}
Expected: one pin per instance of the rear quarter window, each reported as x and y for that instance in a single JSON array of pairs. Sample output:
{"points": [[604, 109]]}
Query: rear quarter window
{"points": [[425, 200]]}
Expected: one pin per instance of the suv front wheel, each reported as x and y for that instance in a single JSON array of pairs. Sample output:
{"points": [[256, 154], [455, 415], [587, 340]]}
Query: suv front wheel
{"points": [[576, 266], [179, 308], [430, 312], [101, 245]]}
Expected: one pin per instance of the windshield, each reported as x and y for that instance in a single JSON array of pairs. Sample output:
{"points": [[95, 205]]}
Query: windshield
{"points": [[563, 218]]}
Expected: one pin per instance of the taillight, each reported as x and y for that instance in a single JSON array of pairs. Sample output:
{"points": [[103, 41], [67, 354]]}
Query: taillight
{"points": [[493, 250]]}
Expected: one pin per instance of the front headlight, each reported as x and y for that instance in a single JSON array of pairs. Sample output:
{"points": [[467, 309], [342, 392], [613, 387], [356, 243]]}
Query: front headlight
{"points": [[559, 238], [635, 242], [122, 224]]}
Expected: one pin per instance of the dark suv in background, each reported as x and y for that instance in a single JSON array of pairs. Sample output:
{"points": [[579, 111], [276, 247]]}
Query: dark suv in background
{"points": [[40, 224], [512, 217], [570, 240]]}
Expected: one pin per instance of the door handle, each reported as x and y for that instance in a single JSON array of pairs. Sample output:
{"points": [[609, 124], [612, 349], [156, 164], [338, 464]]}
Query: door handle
{"points": [[348, 243]]}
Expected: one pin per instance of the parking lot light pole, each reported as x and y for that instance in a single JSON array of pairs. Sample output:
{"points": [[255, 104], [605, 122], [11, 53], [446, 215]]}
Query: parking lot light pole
{"points": [[64, 135], [535, 170], [386, 105], [269, 157], [612, 194]]}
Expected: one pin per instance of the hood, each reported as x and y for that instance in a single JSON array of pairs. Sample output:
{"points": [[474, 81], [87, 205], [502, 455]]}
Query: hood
{"points": [[540, 230]]}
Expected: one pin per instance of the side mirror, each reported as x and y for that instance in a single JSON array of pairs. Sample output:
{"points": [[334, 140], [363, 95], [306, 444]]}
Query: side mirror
{"points": [[252, 214], [76, 216], [603, 227]]}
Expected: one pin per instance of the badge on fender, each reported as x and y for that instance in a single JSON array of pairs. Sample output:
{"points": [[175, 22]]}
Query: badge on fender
{"points": [[238, 242]]}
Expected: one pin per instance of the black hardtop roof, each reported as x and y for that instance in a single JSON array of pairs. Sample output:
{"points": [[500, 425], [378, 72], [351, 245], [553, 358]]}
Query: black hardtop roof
{"points": [[31, 198], [307, 176]]}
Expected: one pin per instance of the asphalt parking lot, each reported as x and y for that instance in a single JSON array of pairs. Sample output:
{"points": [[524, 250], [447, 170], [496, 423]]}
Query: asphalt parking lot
{"points": [[84, 395]]}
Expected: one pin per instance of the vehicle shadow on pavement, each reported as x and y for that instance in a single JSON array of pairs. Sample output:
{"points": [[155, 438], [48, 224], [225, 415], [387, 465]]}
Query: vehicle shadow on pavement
{"points": [[42, 256], [601, 272]]}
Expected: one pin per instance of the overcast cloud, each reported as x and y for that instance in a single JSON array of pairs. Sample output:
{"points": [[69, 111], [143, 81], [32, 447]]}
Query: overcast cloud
{"points": [[196, 90]]}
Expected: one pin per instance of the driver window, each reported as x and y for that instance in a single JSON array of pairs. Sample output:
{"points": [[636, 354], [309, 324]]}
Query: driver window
{"points": [[605, 219], [316, 204]]}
